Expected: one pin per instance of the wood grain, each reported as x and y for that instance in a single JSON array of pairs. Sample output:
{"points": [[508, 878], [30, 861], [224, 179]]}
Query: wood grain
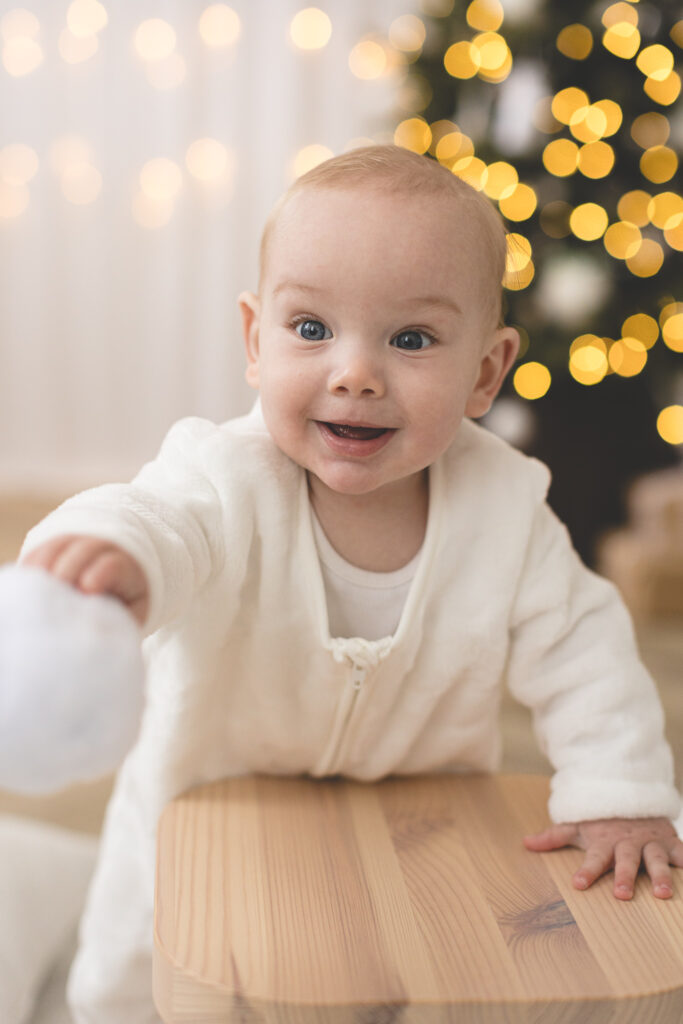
{"points": [[300, 901]]}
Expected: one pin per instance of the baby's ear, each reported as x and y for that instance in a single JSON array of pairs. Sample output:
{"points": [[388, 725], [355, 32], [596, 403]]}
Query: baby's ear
{"points": [[494, 367], [250, 308]]}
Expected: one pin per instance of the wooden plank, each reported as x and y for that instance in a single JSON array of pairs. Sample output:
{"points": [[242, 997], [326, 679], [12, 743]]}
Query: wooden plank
{"points": [[301, 901]]}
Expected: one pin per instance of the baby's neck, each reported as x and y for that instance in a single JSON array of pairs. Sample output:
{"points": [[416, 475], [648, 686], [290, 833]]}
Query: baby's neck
{"points": [[380, 531]]}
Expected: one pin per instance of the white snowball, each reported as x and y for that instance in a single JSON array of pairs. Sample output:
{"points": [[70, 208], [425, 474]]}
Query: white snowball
{"points": [[71, 682]]}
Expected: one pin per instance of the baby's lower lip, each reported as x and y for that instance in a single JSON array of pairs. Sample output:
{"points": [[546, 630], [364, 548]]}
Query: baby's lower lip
{"points": [[348, 440]]}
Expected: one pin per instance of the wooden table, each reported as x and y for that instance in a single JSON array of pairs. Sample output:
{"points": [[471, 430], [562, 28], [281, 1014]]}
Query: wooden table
{"points": [[297, 901]]}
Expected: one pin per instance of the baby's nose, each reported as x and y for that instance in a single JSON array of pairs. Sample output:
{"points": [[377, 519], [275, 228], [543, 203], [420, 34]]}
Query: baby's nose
{"points": [[357, 372]]}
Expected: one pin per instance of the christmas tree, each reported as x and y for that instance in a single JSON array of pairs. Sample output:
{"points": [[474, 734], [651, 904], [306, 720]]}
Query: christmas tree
{"points": [[565, 115]]}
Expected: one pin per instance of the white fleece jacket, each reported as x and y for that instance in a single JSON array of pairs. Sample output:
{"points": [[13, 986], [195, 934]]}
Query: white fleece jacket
{"points": [[244, 677]]}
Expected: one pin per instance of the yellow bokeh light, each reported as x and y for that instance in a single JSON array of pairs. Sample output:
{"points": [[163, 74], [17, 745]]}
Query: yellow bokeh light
{"points": [[495, 59], [588, 124], [219, 26], [665, 93], [81, 183], [665, 210], [518, 252], [516, 280], [676, 33], [650, 130], [462, 60], [18, 164], [368, 59], [207, 159], [613, 116], [161, 179], [168, 73], [617, 13], [670, 424], [21, 55], [642, 327], [519, 204], [454, 145], [67, 150], [154, 39], [501, 180], [566, 102], [14, 200], [554, 219], [414, 94], [588, 359], [622, 240], [674, 237], [485, 15], [634, 206], [472, 170], [437, 8], [532, 380], [655, 62], [627, 357], [440, 129], [309, 157], [648, 260], [588, 221], [414, 133], [622, 39], [310, 29], [575, 41], [596, 159], [672, 332], [76, 49], [561, 157], [658, 164], [407, 33], [86, 18]]}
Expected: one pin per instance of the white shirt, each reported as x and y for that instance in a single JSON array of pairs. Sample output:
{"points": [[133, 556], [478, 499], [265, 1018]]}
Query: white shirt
{"points": [[361, 603]]}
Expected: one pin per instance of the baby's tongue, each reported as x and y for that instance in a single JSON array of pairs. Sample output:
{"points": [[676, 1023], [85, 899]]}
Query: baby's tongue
{"points": [[356, 433]]}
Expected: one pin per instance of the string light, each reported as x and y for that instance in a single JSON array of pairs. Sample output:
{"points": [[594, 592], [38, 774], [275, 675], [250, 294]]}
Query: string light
{"points": [[21, 51], [627, 357], [207, 160], [575, 41], [155, 39], [647, 261], [368, 59], [672, 329], [658, 164], [588, 362], [643, 327], [85, 18], [485, 15], [588, 221], [161, 179], [414, 133]]}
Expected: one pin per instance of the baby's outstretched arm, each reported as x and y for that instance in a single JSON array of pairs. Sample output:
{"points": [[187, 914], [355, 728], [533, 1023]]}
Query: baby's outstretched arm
{"points": [[95, 566], [619, 843]]}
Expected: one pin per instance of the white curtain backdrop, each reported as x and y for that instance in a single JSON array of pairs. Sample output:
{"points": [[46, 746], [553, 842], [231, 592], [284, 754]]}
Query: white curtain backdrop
{"points": [[110, 328]]}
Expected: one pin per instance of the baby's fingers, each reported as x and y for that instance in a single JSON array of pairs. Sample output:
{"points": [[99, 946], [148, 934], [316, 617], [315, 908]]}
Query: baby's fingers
{"points": [[552, 838], [598, 860], [656, 863]]}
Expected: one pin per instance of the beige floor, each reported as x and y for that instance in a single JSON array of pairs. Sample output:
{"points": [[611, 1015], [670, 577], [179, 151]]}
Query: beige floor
{"points": [[82, 807]]}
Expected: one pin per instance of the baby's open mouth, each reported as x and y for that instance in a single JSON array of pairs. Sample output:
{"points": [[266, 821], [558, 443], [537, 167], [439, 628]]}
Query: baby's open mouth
{"points": [[356, 433]]}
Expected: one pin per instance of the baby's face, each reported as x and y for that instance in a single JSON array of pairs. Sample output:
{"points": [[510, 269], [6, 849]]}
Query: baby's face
{"points": [[370, 340]]}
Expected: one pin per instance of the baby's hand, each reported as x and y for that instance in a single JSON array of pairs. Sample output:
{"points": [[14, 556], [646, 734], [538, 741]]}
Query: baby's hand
{"points": [[619, 843], [95, 567]]}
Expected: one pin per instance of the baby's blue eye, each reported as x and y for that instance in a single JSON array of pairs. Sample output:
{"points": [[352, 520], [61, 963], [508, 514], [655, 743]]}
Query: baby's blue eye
{"points": [[313, 330], [412, 341]]}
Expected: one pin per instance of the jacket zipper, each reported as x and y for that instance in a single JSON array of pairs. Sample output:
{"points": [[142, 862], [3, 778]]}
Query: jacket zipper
{"points": [[359, 674]]}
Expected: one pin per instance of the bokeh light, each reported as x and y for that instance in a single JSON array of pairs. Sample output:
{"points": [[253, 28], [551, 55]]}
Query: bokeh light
{"points": [[76, 49], [310, 29], [670, 424], [309, 157], [462, 60], [561, 157], [588, 221], [641, 326], [81, 183], [207, 159], [532, 380], [161, 179], [485, 15], [588, 359], [154, 39], [407, 33], [368, 59], [21, 51], [659, 164], [663, 92], [575, 41], [672, 329], [622, 240], [656, 62], [219, 26], [634, 206], [414, 133], [14, 200], [18, 164], [501, 180], [647, 261], [520, 204], [168, 73], [596, 159], [86, 18], [627, 357]]}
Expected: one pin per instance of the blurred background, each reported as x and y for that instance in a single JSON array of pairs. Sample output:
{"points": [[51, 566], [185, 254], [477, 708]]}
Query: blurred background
{"points": [[142, 144]]}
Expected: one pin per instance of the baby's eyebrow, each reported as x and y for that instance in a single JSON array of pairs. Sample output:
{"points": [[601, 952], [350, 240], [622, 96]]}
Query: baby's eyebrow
{"points": [[295, 286], [431, 301]]}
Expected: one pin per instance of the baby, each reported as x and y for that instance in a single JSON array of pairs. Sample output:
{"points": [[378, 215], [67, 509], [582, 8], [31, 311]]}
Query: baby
{"points": [[342, 581]]}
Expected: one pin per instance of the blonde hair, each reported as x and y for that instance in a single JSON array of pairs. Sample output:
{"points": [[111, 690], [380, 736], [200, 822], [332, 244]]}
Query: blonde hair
{"points": [[412, 174]]}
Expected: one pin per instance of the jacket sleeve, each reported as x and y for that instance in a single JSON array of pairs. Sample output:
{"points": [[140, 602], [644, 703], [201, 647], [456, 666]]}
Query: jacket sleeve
{"points": [[168, 518], [596, 710]]}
